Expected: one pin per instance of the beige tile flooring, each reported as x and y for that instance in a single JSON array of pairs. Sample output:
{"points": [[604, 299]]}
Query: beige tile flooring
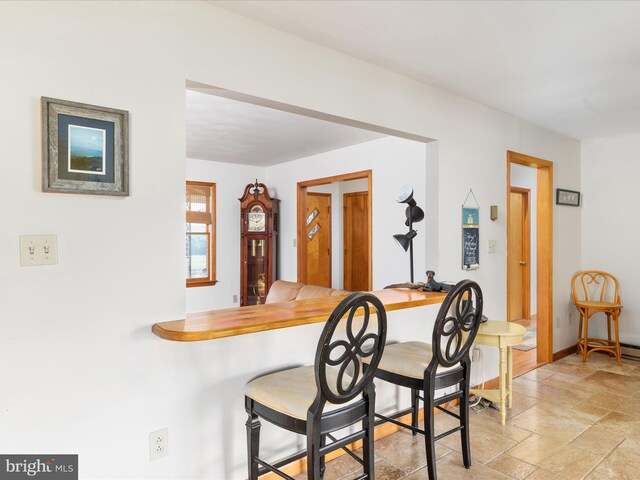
{"points": [[569, 421]]}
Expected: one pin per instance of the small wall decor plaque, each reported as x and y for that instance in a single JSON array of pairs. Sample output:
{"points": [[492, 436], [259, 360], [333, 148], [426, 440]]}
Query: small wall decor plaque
{"points": [[567, 197], [470, 234], [85, 148]]}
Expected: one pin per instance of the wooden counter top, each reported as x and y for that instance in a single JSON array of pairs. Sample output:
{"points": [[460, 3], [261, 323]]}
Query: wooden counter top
{"points": [[259, 318]]}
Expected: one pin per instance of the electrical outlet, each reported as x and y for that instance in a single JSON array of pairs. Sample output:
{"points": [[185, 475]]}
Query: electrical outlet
{"points": [[491, 246], [159, 444], [235, 299], [295, 242], [557, 322]]}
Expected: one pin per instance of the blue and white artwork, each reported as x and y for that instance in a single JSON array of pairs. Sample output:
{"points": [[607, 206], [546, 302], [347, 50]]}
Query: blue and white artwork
{"points": [[87, 150], [470, 216]]}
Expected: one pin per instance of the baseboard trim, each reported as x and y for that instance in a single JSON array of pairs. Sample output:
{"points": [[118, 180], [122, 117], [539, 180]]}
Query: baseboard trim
{"points": [[630, 351], [565, 352]]}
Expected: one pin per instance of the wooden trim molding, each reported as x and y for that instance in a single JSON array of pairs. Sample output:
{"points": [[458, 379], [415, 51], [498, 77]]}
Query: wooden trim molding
{"points": [[544, 239], [211, 279], [302, 211], [565, 352]]}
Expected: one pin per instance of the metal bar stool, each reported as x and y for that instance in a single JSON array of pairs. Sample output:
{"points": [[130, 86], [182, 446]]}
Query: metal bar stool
{"points": [[595, 291], [332, 394], [443, 364]]}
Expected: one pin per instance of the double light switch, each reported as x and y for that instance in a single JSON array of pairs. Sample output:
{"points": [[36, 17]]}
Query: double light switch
{"points": [[38, 250]]}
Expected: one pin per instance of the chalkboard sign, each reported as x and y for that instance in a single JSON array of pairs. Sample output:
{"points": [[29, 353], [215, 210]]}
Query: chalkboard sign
{"points": [[470, 248]]}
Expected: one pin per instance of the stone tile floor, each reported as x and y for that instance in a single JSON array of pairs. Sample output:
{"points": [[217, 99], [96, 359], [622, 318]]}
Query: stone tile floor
{"points": [[569, 421]]}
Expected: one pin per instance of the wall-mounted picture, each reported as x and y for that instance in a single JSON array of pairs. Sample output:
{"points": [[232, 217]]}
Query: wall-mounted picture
{"points": [[470, 248], [85, 148], [567, 197], [470, 216]]}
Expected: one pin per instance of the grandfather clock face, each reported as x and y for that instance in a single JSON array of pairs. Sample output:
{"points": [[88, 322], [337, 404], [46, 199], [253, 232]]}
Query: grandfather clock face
{"points": [[256, 219]]}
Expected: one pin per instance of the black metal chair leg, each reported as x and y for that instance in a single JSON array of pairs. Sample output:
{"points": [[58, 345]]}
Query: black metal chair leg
{"points": [[464, 422], [323, 467], [368, 424], [314, 439], [414, 409], [253, 442], [429, 428]]}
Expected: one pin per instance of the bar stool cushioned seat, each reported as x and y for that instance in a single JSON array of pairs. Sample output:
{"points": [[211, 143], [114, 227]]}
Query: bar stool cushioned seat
{"points": [[409, 359], [291, 391], [334, 393]]}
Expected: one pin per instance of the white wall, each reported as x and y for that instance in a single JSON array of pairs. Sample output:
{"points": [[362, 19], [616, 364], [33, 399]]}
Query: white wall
{"points": [[527, 177], [610, 227], [230, 180], [76, 348], [393, 161]]}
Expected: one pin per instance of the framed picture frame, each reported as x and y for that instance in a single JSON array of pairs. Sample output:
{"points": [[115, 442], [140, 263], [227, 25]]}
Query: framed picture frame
{"points": [[85, 148], [567, 197]]}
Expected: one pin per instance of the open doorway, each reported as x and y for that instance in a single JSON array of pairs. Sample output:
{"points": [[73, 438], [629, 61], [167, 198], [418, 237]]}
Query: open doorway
{"points": [[530, 256], [334, 231], [234, 139]]}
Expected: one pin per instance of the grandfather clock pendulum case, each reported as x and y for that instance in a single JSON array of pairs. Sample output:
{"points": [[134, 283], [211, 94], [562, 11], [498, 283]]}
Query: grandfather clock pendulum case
{"points": [[259, 215]]}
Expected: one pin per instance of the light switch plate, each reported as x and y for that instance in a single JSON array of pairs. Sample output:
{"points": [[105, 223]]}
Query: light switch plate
{"points": [[38, 250], [491, 246]]}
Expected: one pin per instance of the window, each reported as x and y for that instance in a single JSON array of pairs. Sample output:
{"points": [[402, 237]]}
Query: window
{"points": [[200, 239]]}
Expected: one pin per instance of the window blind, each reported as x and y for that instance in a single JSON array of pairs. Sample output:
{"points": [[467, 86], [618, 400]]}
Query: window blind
{"points": [[198, 204]]}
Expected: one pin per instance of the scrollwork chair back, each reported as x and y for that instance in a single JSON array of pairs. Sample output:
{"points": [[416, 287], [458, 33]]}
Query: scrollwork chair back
{"points": [[364, 320], [456, 325], [595, 286]]}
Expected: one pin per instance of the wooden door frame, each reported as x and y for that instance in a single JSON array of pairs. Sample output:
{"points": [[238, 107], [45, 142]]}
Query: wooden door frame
{"points": [[544, 248], [526, 247], [302, 210], [322, 194], [344, 229]]}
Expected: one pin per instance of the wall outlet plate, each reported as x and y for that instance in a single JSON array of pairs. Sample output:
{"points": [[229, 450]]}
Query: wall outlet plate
{"points": [[159, 444], [491, 246]]}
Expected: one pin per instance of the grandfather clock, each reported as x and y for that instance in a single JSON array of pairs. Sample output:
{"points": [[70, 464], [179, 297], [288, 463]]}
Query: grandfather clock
{"points": [[258, 243]]}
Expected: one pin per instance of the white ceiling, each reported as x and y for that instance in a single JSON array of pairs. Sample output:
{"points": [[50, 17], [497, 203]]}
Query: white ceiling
{"points": [[232, 131], [573, 66]]}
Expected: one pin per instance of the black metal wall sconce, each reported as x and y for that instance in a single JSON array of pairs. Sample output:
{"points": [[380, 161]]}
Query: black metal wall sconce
{"points": [[414, 214]]}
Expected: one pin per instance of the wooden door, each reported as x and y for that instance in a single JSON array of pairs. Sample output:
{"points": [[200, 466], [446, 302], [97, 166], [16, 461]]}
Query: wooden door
{"points": [[318, 238], [519, 268], [356, 241]]}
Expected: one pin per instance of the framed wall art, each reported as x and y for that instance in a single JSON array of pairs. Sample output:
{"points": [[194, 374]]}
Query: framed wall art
{"points": [[470, 233], [567, 197], [85, 148]]}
